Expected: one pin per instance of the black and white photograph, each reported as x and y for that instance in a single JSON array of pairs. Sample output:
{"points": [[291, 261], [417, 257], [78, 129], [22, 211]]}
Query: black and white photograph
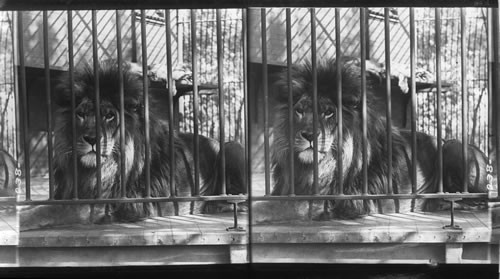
{"points": [[358, 141]]}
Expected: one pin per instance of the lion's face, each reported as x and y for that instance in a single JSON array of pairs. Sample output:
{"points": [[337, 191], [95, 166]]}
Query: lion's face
{"points": [[327, 122], [304, 128], [87, 136], [88, 130]]}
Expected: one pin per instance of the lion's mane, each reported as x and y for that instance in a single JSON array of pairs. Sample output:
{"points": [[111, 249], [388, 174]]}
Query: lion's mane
{"points": [[135, 161], [377, 161]]}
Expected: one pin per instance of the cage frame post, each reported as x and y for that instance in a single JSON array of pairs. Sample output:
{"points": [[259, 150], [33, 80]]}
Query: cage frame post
{"points": [[235, 226], [452, 225]]}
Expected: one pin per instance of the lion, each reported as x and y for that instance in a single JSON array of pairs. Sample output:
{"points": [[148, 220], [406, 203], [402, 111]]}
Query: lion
{"points": [[135, 159], [351, 150]]}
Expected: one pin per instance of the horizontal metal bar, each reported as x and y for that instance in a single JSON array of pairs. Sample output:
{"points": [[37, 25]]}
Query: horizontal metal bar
{"points": [[210, 4], [374, 197], [261, 198], [136, 200]]}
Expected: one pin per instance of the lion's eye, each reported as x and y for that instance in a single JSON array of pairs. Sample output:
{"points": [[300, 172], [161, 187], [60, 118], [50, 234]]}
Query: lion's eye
{"points": [[80, 114], [299, 111], [109, 116], [328, 113]]}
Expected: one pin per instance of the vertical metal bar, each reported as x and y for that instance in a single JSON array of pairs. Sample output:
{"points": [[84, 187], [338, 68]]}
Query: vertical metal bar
{"points": [[144, 48], [248, 161], [340, 140], [438, 98], [14, 36], [24, 104], [363, 99], [465, 101], [95, 57], [314, 100], [133, 36], [413, 118], [71, 69], [266, 100], [222, 116], [387, 28], [290, 99], [194, 56], [46, 58], [171, 92], [495, 32], [491, 111], [123, 177], [367, 37]]}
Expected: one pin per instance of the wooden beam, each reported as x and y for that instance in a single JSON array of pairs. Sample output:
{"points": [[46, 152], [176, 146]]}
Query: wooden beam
{"points": [[454, 253]]}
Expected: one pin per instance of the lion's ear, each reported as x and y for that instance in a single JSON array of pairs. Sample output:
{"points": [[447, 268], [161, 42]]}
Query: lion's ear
{"points": [[279, 88], [351, 80], [351, 100], [62, 97], [62, 91], [374, 73]]}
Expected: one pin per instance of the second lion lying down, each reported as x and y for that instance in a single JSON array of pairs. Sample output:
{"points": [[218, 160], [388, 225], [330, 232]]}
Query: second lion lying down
{"points": [[377, 161], [134, 160]]}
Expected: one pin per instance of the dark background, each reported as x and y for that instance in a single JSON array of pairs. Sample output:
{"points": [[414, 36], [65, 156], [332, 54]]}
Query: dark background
{"points": [[275, 271]]}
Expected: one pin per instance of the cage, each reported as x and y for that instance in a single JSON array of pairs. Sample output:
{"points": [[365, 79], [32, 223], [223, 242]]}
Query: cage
{"points": [[211, 82]]}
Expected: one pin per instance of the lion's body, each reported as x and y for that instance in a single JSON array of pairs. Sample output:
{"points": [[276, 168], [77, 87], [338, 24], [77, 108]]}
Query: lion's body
{"points": [[135, 155], [352, 150]]}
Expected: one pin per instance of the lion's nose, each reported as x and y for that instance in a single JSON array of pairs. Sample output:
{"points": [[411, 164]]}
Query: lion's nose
{"points": [[90, 140], [308, 135]]}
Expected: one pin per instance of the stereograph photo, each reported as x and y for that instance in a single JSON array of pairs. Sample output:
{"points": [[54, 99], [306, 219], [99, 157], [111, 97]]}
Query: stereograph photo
{"points": [[167, 136]]}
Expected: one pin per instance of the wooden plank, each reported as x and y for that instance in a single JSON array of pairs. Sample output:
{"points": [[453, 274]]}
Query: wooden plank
{"points": [[8, 256], [123, 256], [348, 253], [374, 253], [172, 230], [211, 230], [385, 228]]}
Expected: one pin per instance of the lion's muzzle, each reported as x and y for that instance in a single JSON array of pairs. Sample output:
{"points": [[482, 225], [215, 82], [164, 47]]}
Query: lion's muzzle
{"points": [[87, 150]]}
